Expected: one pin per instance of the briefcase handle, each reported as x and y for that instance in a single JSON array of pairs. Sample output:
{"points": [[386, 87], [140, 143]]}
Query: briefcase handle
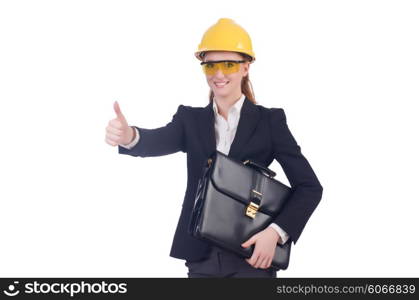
{"points": [[260, 168]]}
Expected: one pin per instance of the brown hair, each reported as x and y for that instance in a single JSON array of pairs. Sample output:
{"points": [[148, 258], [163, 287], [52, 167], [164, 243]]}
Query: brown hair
{"points": [[246, 85]]}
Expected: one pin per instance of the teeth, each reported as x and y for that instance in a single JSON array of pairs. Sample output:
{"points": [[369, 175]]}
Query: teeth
{"points": [[220, 84]]}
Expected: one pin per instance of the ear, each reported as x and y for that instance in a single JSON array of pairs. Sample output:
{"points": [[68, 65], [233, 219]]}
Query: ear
{"points": [[246, 67]]}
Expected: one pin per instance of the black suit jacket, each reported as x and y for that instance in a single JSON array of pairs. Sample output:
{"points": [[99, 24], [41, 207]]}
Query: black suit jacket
{"points": [[262, 135]]}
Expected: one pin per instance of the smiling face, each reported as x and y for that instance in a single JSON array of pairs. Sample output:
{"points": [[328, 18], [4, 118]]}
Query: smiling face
{"points": [[225, 86]]}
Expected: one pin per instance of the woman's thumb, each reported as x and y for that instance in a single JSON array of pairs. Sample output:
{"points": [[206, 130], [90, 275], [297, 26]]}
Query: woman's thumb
{"points": [[118, 112], [248, 242]]}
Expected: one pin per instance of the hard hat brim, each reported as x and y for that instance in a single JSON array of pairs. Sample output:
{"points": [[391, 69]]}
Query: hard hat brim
{"points": [[200, 54]]}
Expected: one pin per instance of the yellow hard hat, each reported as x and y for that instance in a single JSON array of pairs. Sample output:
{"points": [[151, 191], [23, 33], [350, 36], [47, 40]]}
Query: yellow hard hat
{"points": [[225, 35]]}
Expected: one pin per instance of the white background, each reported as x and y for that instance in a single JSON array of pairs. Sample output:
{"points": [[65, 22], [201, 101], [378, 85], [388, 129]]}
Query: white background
{"points": [[345, 72]]}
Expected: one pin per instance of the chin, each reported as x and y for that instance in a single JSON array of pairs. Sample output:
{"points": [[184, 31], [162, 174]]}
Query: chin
{"points": [[222, 93]]}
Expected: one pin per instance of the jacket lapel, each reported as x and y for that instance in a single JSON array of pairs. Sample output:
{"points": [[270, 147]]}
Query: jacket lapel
{"points": [[249, 118], [206, 129]]}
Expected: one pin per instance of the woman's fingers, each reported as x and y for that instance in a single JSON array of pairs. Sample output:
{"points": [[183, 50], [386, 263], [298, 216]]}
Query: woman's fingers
{"points": [[118, 132], [259, 262], [114, 130], [253, 261], [113, 137], [112, 143], [270, 262], [254, 265], [265, 264]]}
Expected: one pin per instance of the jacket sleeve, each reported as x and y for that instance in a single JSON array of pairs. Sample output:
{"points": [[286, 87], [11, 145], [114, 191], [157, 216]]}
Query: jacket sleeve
{"points": [[306, 190], [160, 141], [135, 141]]}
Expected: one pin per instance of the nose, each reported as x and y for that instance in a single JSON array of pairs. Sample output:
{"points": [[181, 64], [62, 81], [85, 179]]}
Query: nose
{"points": [[219, 74]]}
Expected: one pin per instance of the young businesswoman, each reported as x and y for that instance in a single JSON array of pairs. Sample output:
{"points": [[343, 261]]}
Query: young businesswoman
{"points": [[234, 124]]}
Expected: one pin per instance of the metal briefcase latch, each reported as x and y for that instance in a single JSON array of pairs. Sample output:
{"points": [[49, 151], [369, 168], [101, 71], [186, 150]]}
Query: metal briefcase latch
{"points": [[253, 206]]}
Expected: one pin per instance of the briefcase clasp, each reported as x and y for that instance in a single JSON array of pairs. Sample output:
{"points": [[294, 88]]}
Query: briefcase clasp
{"points": [[252, 209]]}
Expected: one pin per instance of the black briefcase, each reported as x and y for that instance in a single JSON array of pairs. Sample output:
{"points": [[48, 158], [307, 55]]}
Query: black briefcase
{"points": [[234, 200]]}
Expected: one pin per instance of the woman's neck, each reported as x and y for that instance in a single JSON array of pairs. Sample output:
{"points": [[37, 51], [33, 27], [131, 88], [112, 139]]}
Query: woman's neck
{"points": [[224, 103]]}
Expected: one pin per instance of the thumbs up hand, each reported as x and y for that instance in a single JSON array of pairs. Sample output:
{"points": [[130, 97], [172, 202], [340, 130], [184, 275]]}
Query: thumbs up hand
{"points": [[118, 131]]}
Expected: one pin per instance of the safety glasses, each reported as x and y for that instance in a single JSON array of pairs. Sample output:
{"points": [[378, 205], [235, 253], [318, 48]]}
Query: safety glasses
{"points": [[226, 66]]}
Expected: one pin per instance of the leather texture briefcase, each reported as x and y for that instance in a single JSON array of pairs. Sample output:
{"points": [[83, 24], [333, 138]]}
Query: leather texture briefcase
{"points": [[233, 201]]}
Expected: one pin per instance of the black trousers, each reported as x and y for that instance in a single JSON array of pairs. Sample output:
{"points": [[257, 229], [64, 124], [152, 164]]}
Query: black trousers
{"points": [[224, 263]]}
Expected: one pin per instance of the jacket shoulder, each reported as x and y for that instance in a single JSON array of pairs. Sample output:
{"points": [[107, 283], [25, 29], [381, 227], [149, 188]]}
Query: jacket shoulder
{"points": [[191, 109], [186, 108], [272, 112]]}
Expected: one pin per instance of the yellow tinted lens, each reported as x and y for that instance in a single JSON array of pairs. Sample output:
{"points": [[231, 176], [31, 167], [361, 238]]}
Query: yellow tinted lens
{"points": [[229, 67], [226, 67], [210, 68]]}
